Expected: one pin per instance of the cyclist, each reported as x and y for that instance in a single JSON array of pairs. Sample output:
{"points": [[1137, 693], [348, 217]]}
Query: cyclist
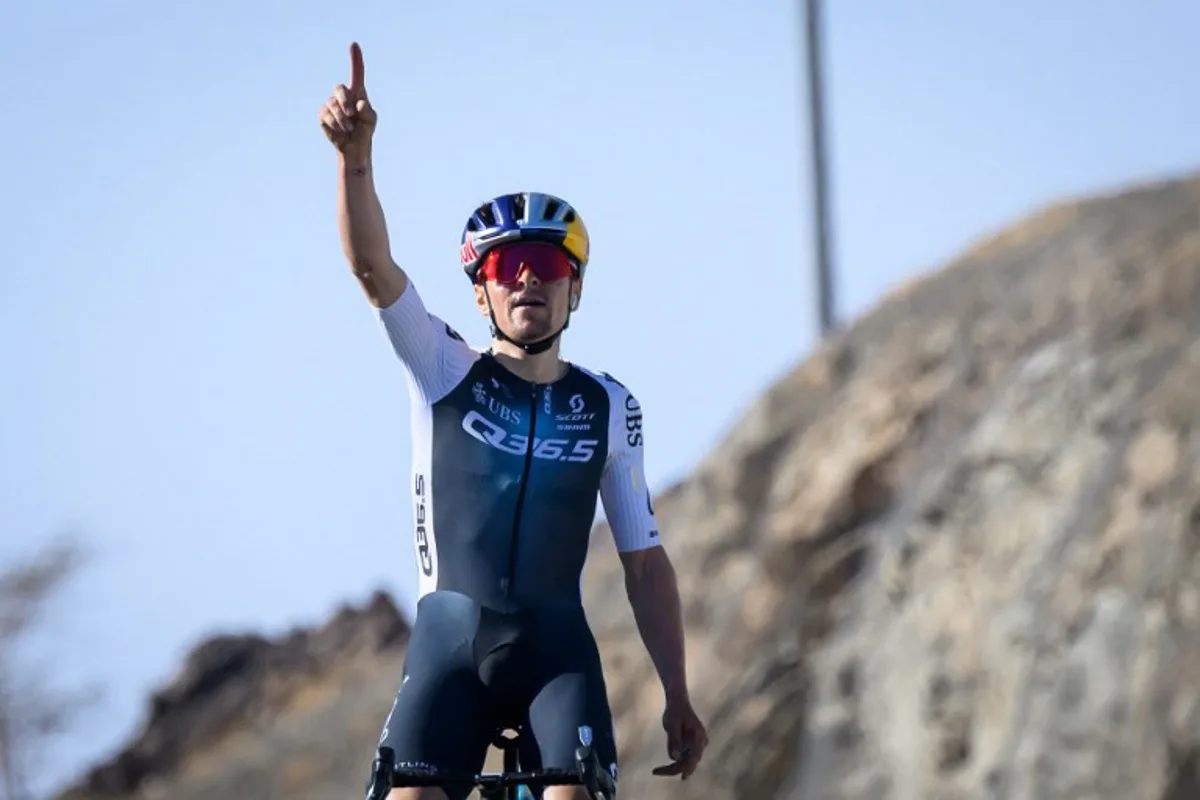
{"points": [[512, 447]]}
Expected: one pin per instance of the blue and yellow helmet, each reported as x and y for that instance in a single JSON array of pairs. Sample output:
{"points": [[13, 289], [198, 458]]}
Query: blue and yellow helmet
{"points": [[523, 216]]}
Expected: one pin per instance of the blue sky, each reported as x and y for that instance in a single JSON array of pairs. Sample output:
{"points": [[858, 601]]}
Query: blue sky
{"points": [[194, 381]]}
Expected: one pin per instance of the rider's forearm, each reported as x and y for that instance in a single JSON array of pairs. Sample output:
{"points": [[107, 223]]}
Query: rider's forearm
{"points": [[654, 596], [364, 234]]}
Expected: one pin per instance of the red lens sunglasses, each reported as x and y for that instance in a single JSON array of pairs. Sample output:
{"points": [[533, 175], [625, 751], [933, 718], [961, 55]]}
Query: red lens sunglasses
{"points": [[505, 263]]}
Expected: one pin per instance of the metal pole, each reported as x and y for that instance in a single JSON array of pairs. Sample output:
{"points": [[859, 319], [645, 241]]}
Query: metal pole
{"points": [[820, 180]]}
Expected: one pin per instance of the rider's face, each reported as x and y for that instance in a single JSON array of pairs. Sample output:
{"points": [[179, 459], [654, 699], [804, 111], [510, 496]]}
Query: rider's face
{"points": [[528, 309]]}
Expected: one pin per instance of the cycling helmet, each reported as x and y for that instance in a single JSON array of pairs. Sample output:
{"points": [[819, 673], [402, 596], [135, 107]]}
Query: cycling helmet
{"points": [[529, 217], [523, 216]]}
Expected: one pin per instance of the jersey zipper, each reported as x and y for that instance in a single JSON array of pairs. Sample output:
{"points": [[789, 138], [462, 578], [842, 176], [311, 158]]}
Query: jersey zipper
{"points": [[506, 585]]}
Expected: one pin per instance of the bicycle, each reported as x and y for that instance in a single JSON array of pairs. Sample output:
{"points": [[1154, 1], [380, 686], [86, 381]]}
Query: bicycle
{"points": [[506, 785]]}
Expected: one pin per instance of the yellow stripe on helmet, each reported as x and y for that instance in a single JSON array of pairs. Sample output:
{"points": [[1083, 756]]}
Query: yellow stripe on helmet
{"points": [[576, 241]]}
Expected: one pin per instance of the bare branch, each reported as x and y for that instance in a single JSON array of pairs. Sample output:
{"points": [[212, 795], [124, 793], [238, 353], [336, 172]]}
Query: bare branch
{"points": [[26, 587], [32, 711]]}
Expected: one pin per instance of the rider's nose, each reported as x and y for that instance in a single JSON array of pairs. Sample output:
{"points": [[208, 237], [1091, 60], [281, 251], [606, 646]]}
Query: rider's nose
{"points": [[526, 275]]}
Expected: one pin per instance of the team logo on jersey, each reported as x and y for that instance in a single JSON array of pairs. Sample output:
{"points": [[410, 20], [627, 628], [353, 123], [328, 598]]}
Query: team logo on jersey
{"points": [[502, 411], [578, 419], [633, 421], [424, 556], [488, 432]]}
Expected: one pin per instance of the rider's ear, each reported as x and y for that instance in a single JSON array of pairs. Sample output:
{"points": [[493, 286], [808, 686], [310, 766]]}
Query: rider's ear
{"points": [[480, 300], [576, 288]]}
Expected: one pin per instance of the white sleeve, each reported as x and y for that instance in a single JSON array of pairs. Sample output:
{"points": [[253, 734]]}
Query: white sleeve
{"points": [[623, 489], [434, 355]]}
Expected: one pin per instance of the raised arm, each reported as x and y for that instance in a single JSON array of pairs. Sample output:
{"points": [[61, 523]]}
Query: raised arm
{"points": [[435, 356], [349, 121]]}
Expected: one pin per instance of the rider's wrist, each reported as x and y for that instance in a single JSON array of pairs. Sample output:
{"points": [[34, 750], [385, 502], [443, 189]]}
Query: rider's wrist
{"points": [[676, 692], [356, 164]]}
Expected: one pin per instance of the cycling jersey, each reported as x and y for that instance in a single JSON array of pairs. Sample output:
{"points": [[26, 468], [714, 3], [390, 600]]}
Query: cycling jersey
{"points": [[506, 473]]}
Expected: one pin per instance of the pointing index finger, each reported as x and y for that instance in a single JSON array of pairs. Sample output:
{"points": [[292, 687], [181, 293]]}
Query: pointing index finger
{"points": [[357, 69]]}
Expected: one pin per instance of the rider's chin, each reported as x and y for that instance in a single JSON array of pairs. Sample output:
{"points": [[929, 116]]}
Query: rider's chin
{"points": [[530, 326], [528, 334]]}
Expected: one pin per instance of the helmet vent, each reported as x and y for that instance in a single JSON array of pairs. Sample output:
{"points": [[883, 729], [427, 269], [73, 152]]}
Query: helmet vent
{"points": [[569, 216], [487, 215], [552, 208], [518, 202]]}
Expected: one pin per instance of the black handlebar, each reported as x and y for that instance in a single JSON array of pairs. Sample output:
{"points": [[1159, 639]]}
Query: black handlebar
{"points": [[588, 772]]}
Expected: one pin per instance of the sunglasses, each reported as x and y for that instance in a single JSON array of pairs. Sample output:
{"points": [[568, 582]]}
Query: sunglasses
{"points": [[505, 263]]}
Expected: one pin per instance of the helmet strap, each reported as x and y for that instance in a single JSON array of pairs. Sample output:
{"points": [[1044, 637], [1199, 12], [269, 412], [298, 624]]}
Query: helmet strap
{"points": [[533, 348]]}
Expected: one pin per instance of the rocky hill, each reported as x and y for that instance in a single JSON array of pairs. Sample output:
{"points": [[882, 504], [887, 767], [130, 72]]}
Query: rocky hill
{"points": [[954, 554]]}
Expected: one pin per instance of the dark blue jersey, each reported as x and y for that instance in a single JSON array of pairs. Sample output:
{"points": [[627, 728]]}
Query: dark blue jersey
{"points": [[506, 473]]}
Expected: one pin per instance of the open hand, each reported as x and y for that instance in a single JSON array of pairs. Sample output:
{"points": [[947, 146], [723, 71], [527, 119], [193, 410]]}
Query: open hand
{"points": [[347, 117], [686, 739]]}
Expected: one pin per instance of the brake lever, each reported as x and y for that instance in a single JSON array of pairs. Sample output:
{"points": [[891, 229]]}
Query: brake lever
{"points": [[380, 781]]}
